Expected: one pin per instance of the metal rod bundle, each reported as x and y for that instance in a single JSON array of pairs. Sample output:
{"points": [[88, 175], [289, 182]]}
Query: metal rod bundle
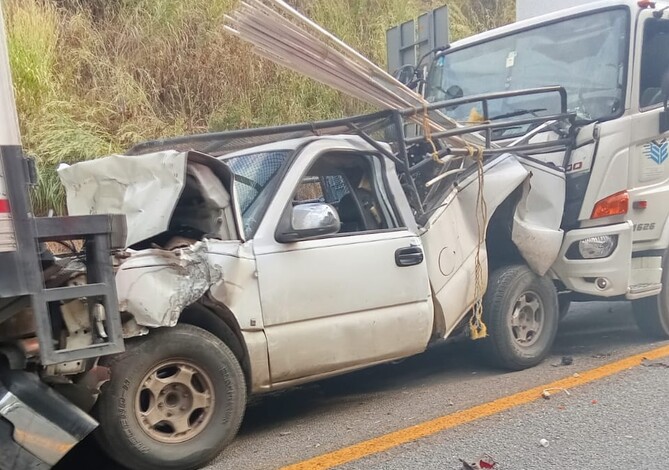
{"points": [[283, 35]]}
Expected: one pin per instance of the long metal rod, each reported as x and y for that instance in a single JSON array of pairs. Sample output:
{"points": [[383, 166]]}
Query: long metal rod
{"points": [[399, 128], [259, 131], [493, 96], [491, 126], [367, 138]]}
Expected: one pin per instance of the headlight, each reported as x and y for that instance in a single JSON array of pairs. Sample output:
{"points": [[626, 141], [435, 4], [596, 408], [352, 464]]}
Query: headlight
{"points": [[597, 247]]}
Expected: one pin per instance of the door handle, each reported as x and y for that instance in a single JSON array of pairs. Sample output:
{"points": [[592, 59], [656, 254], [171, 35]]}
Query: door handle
{"points": [[409, 256]]}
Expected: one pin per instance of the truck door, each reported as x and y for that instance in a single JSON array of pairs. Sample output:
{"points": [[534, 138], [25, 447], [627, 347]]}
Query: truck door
{"points": [[649, 152], [348, 299]]}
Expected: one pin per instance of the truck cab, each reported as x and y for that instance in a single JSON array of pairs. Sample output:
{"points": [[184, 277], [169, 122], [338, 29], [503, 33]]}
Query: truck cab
{"points": [[612, 58]]}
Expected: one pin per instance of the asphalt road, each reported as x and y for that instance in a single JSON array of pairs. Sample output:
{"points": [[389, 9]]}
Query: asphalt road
{"points": [[308, 421], [618, 423]]}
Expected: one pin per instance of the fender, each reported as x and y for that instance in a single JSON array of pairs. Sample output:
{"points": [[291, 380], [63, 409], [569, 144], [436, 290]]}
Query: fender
{"points": [[452, 235]]}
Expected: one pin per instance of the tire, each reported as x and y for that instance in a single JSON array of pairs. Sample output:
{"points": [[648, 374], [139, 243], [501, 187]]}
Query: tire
{"points": [[651, 314], [517, 296], [176, 398]]}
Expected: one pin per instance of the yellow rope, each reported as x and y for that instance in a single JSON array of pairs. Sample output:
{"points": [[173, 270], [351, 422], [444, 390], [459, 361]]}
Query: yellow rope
{"points": [[427, 130], [478, 329]]}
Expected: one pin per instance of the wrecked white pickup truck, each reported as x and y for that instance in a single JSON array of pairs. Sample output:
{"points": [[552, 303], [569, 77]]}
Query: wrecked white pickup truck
{"points": [[261, 259]]}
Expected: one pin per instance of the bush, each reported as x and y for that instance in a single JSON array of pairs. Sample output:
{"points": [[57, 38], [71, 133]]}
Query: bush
{"points": [[93, 77]]}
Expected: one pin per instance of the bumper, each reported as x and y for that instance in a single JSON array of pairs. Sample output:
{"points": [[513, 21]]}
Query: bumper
{"points": [[44, 426], [604, 277]]}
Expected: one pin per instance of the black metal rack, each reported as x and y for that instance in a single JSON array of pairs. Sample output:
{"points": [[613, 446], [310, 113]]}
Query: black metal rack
{"points": [[411, 155], [97, 232]]}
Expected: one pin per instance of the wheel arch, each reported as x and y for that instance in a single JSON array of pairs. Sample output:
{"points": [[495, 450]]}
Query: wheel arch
{"points": [[221, 322], [500, 249]]}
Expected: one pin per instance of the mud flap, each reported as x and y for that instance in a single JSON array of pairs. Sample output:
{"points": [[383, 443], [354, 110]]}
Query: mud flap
{"points": [[12, 455], [37, 425]]}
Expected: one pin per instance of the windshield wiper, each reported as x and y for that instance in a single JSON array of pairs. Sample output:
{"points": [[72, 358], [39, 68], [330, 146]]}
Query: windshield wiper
{"points": [[518, 112]]}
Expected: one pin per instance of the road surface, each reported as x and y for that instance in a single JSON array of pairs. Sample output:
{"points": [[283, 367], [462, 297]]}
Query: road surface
{"points": [[615, 422]]}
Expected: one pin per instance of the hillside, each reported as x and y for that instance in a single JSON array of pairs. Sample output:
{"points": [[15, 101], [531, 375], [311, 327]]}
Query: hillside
{"points": [[93, 77]]}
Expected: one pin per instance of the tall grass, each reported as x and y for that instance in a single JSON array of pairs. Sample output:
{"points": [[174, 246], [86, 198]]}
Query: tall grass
{"points": [[95, 76]]}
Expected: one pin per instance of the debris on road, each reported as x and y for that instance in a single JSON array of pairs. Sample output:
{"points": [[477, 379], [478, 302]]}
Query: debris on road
{"points": [[601, 356], [481, 463], [546, 394], [565, 361], [544, 442], [658, 363]]}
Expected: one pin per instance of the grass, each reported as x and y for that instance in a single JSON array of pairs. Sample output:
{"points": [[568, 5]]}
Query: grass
{"points": [[93, 77]]}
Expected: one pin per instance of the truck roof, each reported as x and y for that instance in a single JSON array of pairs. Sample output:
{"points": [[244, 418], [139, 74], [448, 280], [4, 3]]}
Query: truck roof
{"points": [[573, 11]]}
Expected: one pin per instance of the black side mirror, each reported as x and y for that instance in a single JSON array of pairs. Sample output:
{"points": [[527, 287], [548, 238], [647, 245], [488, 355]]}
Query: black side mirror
{"points": [[407, 75]]}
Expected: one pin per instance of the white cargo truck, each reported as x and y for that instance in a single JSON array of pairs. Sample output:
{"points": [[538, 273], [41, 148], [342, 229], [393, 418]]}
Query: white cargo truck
{"points": [[612, 57]]}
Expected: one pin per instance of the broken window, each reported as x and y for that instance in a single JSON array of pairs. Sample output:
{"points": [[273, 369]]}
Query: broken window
{"points": [[350, 183], [255, 179]]}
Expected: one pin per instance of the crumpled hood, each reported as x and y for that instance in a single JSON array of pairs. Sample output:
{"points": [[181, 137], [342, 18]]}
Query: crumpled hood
{"points": [[156, 285], [144, 188]]}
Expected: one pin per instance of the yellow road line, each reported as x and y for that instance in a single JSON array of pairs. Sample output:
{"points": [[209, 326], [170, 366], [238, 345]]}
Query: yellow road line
{"points": [[427, 428]]}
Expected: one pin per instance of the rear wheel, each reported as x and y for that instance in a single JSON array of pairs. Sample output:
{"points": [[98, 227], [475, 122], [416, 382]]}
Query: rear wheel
{"points": [[520, 310], [176, 398], [652, 313]]}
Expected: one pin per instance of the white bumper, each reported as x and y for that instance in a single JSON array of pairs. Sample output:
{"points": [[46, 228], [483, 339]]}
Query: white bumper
{"points": [[613, 272]]}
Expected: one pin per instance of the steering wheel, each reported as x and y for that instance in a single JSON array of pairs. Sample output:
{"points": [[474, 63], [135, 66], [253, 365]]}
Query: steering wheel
{"points": [[598, 103]]}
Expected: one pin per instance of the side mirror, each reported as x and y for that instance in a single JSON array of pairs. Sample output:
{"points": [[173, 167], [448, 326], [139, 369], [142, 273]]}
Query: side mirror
{"points": [[309, 221], [406, 75], [664, 115]]}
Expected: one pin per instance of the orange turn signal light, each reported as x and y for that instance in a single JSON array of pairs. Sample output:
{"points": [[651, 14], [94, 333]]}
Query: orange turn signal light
{"points": [[615, 204]]}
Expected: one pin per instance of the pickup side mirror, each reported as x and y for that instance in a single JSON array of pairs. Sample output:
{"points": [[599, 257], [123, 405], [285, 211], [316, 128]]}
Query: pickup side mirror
{"points": [[664, 115], [309, 221]]}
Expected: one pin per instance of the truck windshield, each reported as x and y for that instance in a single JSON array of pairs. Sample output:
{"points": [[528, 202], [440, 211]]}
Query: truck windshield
{"points": [[255, 181], [587, 55]]}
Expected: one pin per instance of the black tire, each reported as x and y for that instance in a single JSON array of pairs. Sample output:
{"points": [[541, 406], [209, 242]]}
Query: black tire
{"points": [[651, 314], [507, 287], [128, 441]]}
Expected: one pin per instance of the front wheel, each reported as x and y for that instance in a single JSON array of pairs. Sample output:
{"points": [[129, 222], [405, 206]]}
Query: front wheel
{"points": [[652, 313], [520, 310], [176, 398]]}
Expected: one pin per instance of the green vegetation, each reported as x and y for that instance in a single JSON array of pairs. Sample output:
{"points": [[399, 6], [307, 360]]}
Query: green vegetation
{"points": [[93, 77]]}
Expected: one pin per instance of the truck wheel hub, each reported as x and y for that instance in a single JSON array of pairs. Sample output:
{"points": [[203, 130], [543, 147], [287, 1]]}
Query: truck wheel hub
{"points": [[174, 401], [527, 319]]}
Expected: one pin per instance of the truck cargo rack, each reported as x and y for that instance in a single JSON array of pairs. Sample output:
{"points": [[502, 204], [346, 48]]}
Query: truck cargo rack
{"points": [[414, 157], [25, 269], [96, 232]]}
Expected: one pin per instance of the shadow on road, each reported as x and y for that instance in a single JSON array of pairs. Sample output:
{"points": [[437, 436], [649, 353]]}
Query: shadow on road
{"points": [[593, 329]]}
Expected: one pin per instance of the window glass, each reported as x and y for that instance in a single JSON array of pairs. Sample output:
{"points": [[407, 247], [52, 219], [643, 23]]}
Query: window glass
{"points": [[255, 176], [586, 55], [349, 184], [654, 61]]}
